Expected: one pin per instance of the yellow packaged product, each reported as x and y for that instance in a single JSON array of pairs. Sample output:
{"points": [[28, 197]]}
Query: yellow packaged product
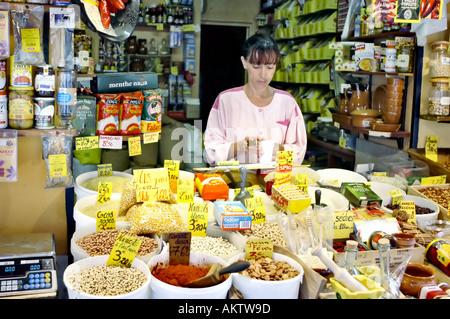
{"points": [[288, 196], [156, 217], [211, 186]]}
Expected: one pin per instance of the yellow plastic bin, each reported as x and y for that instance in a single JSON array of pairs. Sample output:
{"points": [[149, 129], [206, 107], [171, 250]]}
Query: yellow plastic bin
{"points": [[374, 290]]}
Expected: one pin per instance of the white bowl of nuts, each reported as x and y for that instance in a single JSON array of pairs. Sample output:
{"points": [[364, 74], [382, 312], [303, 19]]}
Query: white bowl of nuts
{"points": [[426, 210], [278, 277], [85, 279]]}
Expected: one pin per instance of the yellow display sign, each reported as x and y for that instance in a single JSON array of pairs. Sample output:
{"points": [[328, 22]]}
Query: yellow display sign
{"points": [[257, 248], [431, 149], [31, 40], [228, 163], [104, 192], [157, 180], [434, 180], [255, 207], [86, 143], [124, 250], [104, 170], [151, 137], [410, 208], [343, 223], [105, 220], [185, 191], [397, 196], [301, 181], [57, 165], [198, 219], [248, 189], [134, 146]]}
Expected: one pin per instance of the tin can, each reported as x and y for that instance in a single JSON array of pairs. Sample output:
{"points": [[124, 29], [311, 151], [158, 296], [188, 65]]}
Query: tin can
{"points": [[3, 109], [430, 291], [44, 112], [3, 76]]}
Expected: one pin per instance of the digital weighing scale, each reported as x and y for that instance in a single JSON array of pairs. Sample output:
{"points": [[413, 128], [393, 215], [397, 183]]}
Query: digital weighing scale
{"points": [[28, 266]]}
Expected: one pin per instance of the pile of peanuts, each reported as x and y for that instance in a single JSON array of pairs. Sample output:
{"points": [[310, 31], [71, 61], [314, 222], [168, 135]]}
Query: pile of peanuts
{"points": [[438, 195], [266, 230], [266, 268], [108, 280], [101, 243]]}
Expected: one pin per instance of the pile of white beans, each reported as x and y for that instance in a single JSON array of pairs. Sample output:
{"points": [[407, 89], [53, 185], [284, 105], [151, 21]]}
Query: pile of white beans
{"points": [[216, 246]]}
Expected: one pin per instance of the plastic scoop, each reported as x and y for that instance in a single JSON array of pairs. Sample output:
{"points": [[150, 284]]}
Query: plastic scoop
{"points": [[215, 273], [243, 194]]}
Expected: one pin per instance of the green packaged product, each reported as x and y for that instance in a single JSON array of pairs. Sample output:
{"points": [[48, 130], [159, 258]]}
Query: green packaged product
{"points": [[85, 121], [359, 194]]}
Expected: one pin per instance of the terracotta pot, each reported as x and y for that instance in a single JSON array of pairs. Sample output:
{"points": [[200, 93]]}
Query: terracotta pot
{"points": [[391, 117], [405, 240], [416, 275], [396, 81], [341, 104], [364, 118], [360, 99]]}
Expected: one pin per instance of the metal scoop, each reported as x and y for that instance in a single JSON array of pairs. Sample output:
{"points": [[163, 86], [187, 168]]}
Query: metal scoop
{"points": [[243, 194], [215, 273]]}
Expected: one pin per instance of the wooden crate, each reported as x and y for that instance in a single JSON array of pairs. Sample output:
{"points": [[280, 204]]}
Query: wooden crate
{"points": [[414, 190], [436, 168]]}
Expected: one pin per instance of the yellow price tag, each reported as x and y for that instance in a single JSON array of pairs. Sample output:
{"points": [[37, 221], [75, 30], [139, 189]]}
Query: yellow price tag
{"points": [[157, 178], [105, 220], [431, 148], [257, 248], [198, 219], [228, 163], [104, 192], [343, 224], [255, 207], [301, 181], [434, 180], [185, 191], [284, 161], [342, 142], [248, 189], [159, 26], [124, 250], [188, 28], [134, 146], [174, 70], [146, 193], [30, 40], [86, 143], [104, 170], [152, 137], [173, 166], [380, 174], [57, 165], [397, 196], [410, 208]]}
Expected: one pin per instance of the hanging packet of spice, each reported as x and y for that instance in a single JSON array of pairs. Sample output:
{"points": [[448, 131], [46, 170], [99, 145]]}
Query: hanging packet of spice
{"points": [[4, 30], [28, 25], [8, 156], [57, 151]]}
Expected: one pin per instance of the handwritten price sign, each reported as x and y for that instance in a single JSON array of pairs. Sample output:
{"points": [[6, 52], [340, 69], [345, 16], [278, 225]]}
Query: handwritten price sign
{"points": [[185, 191], [134, 146], [124, 251], [198, 219], [104, 170], [106, 220], [179, 248], [257, 248], [431, 149], [104, 192], [255, 207], [110, 142], [86, 143]]}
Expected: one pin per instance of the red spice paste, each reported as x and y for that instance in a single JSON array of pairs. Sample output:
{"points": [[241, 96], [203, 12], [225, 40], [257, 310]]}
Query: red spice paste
{"points": [[179, 275]]}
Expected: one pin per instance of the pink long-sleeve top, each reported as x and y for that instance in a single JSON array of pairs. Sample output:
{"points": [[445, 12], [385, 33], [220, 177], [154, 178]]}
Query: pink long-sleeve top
{"points": [[234, 117]]}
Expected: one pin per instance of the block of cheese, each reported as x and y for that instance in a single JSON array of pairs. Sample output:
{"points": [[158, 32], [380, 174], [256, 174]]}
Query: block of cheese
{"points": [[288, 196]]}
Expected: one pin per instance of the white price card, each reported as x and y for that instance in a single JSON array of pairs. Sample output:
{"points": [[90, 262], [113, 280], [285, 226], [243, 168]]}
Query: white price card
{"points": [[110, 142]]}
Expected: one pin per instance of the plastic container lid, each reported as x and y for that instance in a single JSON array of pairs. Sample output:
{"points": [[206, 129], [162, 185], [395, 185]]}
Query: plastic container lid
{"points": [[440, 44]]}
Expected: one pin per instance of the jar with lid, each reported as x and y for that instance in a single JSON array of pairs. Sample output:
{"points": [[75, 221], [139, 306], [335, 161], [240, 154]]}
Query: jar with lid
{"points": [[391, 58], [439, 97], [44, 81], [438, 254], [21, 112], [439, 60]]}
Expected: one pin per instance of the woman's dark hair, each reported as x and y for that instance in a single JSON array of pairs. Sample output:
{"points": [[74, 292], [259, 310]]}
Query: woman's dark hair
{"points": [[261, 48]]}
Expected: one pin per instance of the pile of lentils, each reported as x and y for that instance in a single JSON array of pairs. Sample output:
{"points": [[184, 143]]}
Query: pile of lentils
{"points": [[101, 243]]}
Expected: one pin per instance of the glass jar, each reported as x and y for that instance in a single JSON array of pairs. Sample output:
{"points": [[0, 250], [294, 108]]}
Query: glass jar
{"points": [[405, 54], [438, 254], [21, 112], [66, 98], [439, 60], [439, 97], [44, 81]]}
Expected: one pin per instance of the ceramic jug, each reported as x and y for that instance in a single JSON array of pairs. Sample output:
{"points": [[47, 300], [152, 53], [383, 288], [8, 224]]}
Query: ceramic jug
{"points": [[341, 104], [360, 98]]}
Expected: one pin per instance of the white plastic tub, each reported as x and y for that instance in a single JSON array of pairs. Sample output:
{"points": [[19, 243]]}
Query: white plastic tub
{"points": [[79, 253], [81, 191], [142, 292], [82, 219], [161, 290], [252, 288], [329, 197]]}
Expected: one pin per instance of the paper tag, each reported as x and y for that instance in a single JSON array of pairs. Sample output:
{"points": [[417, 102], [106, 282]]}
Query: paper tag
{"points": [[151, 137], [255, 207], [248, 189], [105, 220], [410, 208], [104, 170], [343, 223], [86, 143], [134, 146], [301, 181], [342, 142], [384, 174], [185, 191], [228, 163], [146, 193], [173, 167], [431, 148], [284, 161], [104, 192], [110, 142], [434, 180], [198, 219], [157, 180], [31, 40], [257, 248], [188, 28], [124, 250], [397, 196], [179, 248], [174, 70], [282, 178], [57, 165]]}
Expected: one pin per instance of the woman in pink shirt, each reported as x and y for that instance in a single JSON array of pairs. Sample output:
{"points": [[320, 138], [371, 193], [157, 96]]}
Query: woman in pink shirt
{"points": [[244, 116]]}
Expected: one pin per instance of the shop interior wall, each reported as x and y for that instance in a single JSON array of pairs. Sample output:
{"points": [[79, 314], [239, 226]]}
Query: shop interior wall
{"points": [[432, 128]]}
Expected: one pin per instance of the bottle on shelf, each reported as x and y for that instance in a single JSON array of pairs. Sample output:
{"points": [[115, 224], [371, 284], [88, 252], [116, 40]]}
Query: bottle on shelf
{"points": [[351, 253]]}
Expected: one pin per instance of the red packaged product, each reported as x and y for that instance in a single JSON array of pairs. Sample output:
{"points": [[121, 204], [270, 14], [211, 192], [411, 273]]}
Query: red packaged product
{"points": [[108, 110], [130, 113]]}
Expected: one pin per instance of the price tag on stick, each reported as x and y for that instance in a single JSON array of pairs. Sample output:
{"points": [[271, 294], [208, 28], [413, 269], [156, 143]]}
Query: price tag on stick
{"points": [[124, 251], [179, 248], [257, 248], [198, 219]]}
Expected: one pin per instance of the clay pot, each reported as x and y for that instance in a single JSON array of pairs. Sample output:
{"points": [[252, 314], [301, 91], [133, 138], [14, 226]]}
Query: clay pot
{"points": [[341, 104], [364, 118], [416, 275], [405, 240], [360, 98]]}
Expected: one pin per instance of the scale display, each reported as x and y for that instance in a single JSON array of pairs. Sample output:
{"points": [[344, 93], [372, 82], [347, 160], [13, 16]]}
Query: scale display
{"points": [[27, 266]]}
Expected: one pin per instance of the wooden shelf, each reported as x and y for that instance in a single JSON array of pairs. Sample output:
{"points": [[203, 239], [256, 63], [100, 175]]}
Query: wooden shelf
{"points": [[371, 133], [383, 35], [439, 119], [379, 73], [37, 132], [334, 151]]}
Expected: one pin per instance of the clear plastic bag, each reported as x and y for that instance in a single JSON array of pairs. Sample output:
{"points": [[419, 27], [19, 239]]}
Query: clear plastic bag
{"points": [[28, 25]]}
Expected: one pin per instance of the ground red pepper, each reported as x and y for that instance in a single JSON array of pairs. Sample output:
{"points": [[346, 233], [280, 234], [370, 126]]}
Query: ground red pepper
{"points": [[179, 275]]}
